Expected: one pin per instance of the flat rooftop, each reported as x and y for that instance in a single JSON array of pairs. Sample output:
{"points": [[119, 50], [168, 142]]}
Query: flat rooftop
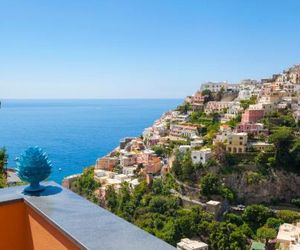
{"points": [[57, 218]]}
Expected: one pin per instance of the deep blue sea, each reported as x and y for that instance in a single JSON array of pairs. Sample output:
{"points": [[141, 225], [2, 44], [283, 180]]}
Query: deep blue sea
{"points": [[75, 133]]}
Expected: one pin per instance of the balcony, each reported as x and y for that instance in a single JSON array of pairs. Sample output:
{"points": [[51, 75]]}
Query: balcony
{"points": [[57, 219]]}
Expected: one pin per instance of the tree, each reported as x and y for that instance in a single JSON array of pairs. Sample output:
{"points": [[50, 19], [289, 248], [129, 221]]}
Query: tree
{"points": [[169, 233], [288, 216], [256, 216], [295, 152], [184, 108], [111, 199], [86, 185], [158, 187], [296, 202], [220, 94], [207, 95], [138, 193], [176, 168], [282, 139], [226, 236], [266, 233], [246, 103], [163, 204], [187, 167], [3, 162], [234, 219], [185, 223], [274, 223], [125, 206], [210, 184]]}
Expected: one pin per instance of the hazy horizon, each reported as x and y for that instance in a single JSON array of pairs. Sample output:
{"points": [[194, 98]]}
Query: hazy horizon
{"points": [[141, 49]]}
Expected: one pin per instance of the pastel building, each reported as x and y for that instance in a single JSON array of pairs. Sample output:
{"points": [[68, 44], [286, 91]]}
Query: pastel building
{"points": [[107, 163], [201, 156], [237, 143], [244, 94], [214, 86], [128, 159], [288, 237], [261, 146], [187, 244], [150, 160], [183, 130], [214, 106], [214, 207], [252, 128], [252, 115], [225, 131], [184, 148]]}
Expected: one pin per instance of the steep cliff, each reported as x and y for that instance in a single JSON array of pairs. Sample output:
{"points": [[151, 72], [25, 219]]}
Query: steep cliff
{"points": [[251, 187]]}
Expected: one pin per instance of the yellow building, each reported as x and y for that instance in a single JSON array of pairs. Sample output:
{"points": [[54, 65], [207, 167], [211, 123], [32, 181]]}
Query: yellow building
{"points": [[237, 143]]}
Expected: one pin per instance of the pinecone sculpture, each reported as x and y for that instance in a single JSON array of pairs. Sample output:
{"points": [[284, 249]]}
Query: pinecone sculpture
{"points": [[33, 166]]}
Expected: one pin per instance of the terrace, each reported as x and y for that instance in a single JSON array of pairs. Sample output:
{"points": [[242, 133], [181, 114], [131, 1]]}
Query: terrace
{"points": [[57, 218]]}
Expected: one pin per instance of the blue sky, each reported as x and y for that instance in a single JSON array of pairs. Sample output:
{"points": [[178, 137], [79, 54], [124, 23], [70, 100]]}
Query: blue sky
{"points": [[141, 49]]}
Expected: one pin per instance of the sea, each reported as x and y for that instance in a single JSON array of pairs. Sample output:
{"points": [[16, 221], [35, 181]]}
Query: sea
{"points": [[74, 133]]}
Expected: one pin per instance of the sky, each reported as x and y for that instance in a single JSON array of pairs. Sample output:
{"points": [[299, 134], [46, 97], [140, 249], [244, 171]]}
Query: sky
{"points": [[141, 48]]}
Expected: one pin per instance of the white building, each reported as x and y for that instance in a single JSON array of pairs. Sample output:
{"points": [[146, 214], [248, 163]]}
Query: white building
{"points": [[196, 143], [201, 156], [184, 148], [244, 94], [214, 86], [129, 171], [187, 244], [289, 236]]}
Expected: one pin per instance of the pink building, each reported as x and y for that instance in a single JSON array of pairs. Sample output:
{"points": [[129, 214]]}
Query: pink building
{"points": [[252, 115], [107, 163], [214, 106], [150, 160], [128, 160], [252, 128], [198, 97]]}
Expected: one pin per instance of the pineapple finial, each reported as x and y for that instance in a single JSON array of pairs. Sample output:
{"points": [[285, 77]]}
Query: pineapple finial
{"points": [[33, 166]]}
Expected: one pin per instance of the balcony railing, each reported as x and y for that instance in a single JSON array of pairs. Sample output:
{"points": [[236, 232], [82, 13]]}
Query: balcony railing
{"points": [[57, 218]]}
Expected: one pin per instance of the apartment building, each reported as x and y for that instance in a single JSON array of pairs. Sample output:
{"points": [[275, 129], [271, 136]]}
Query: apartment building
{"points": [[237, 143]]}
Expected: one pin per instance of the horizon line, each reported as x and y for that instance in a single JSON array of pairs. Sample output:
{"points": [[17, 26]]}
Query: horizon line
{"points": [[100, 98]]}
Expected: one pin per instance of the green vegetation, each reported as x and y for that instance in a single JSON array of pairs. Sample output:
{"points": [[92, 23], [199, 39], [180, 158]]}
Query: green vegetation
{"points": [[155, 210], [287, 149], [184, 169], [184, 108], [288, 216], [246, 103], [163, 150], [210, 185], [234, 122], [266, 233], [3, 161], [208, 96], [85, 185], [296, 202], [277, 119]]}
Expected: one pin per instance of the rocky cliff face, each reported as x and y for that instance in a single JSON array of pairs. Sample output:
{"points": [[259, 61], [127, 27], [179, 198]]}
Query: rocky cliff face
{"points": [[278, 185]]}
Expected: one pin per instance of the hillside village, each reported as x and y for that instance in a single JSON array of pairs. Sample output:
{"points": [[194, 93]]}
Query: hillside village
{"points": [[227, 147]]}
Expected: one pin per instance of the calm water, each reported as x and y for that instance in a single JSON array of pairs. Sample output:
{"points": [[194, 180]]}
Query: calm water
{"points": [[74, 133]]}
